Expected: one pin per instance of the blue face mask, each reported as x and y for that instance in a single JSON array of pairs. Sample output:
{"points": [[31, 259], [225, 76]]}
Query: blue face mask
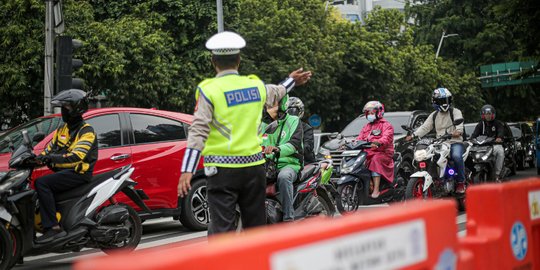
{"points": [[371, 118]]}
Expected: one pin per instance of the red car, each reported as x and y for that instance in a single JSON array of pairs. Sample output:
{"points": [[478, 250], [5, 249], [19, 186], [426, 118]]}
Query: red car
{"points": [[153, 141]]}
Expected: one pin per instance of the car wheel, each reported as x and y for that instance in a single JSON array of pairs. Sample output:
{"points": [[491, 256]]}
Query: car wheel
{"points": [[194, 213]]}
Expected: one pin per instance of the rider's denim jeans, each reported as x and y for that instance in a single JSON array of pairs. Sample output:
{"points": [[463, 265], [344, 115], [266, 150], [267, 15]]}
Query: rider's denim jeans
{"points": [[285, 182], [456, 152]]}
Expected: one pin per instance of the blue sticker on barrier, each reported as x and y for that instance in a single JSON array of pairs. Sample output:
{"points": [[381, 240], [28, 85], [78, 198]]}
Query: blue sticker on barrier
{"points": [[518, 240], [447, 260], [242, 96]]}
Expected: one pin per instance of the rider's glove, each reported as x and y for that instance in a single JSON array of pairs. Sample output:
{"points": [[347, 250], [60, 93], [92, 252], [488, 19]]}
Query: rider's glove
{"points": [[43, 159]]}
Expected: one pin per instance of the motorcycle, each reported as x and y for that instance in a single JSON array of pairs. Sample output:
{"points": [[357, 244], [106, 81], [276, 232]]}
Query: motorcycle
{"points": [[434, 177], [81, 212], [355, 184], [483, 159], [310, 197]]}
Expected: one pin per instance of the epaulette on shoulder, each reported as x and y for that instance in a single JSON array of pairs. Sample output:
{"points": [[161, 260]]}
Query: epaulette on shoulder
{"points": [[253, 77], [206, 82]]}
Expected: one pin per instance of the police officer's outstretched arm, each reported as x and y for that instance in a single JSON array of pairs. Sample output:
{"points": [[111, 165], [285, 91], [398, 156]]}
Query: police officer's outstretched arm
{"points": [[274, 93]]}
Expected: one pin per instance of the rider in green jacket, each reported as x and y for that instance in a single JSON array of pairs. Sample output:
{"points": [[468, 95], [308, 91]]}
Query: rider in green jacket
{"points": [[283, 140]]}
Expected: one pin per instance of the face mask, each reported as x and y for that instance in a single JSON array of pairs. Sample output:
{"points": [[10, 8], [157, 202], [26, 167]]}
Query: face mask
{"points": [[371, 118], [70, 119]]}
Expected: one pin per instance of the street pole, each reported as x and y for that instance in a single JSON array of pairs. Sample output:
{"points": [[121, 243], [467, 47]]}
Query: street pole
{"points": [[220, 15], [443, 36], [49, 58]]}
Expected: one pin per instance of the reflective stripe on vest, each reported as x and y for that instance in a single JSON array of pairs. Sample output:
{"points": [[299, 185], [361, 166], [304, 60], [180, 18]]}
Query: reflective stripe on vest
{"points": [[238, 101]]}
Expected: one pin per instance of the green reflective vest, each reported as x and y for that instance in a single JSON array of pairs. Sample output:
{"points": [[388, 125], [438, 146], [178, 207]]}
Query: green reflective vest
{"points": [[238, 102]]}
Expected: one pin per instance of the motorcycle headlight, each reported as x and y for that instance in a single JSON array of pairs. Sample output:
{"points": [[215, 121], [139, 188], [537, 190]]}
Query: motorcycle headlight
{"points": [[420, 155], [488, 153], [13, 178], [477, 155]]}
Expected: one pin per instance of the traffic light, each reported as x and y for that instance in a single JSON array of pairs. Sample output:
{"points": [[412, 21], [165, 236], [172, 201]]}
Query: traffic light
{"points": [[66, 64]]}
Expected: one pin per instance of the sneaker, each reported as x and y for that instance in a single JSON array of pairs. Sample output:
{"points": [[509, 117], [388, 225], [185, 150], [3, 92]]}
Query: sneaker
{"points": [[50, 235], [460, 188]]}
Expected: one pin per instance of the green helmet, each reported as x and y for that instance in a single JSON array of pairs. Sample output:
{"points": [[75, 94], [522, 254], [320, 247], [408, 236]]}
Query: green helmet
{"points": [[284, 103]]}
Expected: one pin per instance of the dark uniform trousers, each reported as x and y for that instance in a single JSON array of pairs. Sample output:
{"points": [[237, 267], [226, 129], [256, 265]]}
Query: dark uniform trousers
{"points": [[230, 186], [50, 185]]}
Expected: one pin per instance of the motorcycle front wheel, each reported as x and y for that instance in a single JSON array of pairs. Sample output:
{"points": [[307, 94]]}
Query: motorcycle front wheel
{"points": [[347, 198], [6, 248], [415, 189]]}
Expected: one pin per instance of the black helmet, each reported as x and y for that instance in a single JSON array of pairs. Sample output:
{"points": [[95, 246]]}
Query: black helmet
{"points": [[296, 107], [74, 100], [488, 112]]}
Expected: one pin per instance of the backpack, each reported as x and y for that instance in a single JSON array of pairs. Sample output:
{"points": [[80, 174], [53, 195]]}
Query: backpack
{"points": [[463, 134]]}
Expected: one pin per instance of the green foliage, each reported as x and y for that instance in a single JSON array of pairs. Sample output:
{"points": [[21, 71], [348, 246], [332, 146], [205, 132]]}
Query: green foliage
{"points": [[490, 31], [150, 53]]}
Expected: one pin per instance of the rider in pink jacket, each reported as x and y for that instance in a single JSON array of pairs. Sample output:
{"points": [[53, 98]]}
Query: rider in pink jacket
{"points": [[381, 135]]}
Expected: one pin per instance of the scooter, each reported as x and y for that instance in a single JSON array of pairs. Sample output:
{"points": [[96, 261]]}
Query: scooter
{"points": [[483, 160], [355, 185], [434, 177], [310, 195], [80, 211]]}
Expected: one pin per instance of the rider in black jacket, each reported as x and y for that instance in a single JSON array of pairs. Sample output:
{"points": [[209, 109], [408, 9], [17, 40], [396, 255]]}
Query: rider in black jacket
{"points": [[296, 107], [495, 129]]}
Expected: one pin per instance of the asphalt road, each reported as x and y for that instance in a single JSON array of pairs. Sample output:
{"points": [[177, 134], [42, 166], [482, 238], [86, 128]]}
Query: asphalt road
{"points": [[165, 231]]}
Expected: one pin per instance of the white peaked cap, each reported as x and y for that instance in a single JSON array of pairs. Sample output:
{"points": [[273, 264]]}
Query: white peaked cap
{"points": [[225, 43]]}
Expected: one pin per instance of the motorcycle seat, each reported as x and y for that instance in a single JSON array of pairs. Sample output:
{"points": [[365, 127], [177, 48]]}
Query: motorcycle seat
{"points": [[85, 188], [307, 171]]}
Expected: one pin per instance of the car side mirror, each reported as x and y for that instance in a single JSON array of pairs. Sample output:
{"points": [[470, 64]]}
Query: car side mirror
{"points": [[38, 137]]}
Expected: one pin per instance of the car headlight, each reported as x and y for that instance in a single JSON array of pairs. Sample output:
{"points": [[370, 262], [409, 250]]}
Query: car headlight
{"points": [[420, 155]]}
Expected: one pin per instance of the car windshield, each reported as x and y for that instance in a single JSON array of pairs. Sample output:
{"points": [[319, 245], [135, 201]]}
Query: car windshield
{"points": [[354, 127], [45, 125]]}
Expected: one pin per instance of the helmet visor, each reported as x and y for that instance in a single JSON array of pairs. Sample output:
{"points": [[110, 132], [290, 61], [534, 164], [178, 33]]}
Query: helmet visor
{"points": [[441, 101]]}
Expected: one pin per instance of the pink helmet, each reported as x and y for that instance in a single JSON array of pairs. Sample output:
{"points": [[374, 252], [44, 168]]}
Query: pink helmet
{"points": [[376, 106]]}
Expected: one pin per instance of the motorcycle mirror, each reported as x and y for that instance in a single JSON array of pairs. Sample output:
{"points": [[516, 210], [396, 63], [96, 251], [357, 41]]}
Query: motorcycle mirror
{"points": [[26, 138], [458, 121], [38, 137], [405, 127]]}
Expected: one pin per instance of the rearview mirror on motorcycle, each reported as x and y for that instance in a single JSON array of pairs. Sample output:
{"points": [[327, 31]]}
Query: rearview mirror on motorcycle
{"points": [[26, 138], [38, 137]]}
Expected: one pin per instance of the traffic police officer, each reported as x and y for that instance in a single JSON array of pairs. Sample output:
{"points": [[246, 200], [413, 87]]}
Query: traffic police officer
{"points": [[227, 116]]}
